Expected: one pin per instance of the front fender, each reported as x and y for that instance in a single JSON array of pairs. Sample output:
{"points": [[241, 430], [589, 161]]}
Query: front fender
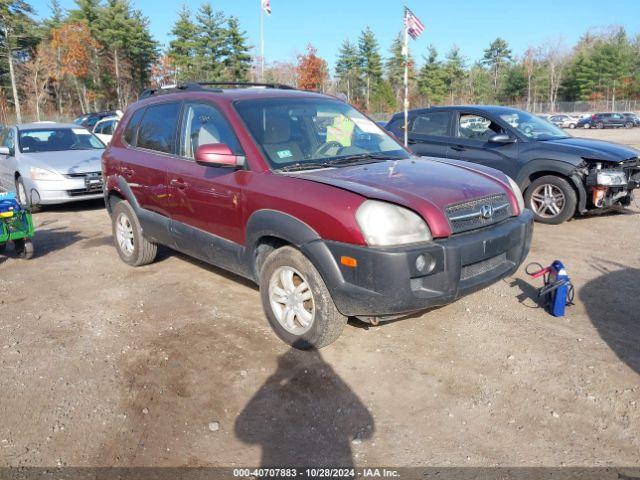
{"points": [[549, 166], [272, 223]]}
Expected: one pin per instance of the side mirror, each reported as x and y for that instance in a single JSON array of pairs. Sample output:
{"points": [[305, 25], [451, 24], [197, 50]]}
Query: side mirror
{"points": [[217, 155], [5, 151], [502, 138]]}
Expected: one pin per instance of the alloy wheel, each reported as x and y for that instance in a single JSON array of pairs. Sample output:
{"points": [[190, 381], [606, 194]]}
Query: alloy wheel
{"points": [[291, 300], [124, 235], [547, 201]]}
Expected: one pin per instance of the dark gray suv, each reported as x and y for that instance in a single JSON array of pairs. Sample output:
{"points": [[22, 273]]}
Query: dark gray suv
{"points": [[560, 175]]}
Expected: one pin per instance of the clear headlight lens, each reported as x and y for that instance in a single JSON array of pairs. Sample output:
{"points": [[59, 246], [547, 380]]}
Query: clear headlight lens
{"points": [[517, 192], [38, 173], [611, 178], [384, 224]]}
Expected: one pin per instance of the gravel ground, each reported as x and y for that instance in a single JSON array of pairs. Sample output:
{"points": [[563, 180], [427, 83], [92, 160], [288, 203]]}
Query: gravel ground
{"points": [[174, 364]]}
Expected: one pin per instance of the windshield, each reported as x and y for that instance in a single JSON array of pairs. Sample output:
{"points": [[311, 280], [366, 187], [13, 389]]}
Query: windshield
{"points": [[57, 139], [532, 126], [315, 133]]}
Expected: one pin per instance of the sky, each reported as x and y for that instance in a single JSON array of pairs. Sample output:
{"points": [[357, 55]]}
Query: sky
{"points": [[469, 24]]}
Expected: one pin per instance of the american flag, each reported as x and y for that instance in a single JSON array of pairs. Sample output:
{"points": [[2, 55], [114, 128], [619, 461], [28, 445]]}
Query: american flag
{"points": [[414, 26], [266, 6]]}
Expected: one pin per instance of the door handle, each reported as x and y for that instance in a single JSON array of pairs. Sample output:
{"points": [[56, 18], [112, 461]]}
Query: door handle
{"points": [[179, 183], [457, 148]]}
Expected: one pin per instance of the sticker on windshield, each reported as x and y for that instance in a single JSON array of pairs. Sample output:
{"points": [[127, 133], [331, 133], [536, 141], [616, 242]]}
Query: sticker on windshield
{"points": [[81, 131], [284, 153]]}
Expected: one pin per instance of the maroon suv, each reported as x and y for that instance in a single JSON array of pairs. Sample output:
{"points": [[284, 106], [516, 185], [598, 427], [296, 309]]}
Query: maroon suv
{"points": [[308, 197]]}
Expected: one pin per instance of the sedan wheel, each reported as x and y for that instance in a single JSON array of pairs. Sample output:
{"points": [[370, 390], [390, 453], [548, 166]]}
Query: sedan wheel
{"points": [[21, 191], [547, 201], [291, 300]]}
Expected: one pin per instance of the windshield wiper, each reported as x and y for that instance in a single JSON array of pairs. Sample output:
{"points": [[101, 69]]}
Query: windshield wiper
{"points": [[301, 166], [363, 158]]}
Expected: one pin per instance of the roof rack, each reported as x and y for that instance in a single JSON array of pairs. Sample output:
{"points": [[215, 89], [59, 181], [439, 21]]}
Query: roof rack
{"points": [[200, 86]]}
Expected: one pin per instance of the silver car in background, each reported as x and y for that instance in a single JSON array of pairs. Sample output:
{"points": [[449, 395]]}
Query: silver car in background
{"points": [[48, 163]]}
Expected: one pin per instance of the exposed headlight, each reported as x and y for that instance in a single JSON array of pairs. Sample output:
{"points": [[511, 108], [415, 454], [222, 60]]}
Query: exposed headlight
{"points": [[385, 224], [38, 173], [611, 178], [517, 192]]}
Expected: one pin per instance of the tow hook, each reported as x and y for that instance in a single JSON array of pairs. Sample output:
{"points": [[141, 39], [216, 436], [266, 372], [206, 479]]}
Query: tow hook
{"points": [[370, 320]]}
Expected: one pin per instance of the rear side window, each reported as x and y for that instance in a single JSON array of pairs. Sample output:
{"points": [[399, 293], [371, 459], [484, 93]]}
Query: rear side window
{"points": [[130, 133], [157, 129], [434, 123]]}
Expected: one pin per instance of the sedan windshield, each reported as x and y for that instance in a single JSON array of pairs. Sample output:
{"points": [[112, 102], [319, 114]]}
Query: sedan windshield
{"points": [[532, 126], [315, 133], [58, 139]]}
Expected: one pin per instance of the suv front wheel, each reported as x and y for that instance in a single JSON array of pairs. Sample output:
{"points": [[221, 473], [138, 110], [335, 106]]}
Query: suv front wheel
{"points": [[133, 248], [551, 199], [297, 302]]}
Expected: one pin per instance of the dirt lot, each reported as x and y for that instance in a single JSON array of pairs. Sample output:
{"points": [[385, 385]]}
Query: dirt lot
{"points": [[174, 363]]}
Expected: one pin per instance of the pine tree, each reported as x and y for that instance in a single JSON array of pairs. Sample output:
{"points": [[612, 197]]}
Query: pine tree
{"points": [[211, 43], [454, 73], [496, 57], [57, 15], [395, 68], [18, 36], [238, 60], [348, 70], [431, 80], [370, 62], [182, 49]]}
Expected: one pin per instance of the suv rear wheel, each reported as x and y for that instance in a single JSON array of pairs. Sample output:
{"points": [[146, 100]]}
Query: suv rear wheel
{"points": [[133, 248], [296, 301], [552, 199]]}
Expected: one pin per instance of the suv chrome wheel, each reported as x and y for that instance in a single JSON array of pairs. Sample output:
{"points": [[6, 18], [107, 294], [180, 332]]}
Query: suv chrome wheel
{"points": [[291, 300], [124, 234], [547, 201]]}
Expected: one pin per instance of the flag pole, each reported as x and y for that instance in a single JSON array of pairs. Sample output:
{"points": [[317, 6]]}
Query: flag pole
{"points": [[261, 42], [406, 84]]}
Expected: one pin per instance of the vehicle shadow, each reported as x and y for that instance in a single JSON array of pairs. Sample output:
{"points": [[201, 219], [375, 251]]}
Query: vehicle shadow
{"points": [[80, 206], [304, 415], [612, 302], [166, 252]]}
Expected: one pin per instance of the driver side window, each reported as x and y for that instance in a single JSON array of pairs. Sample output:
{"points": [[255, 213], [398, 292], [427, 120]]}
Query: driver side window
{"points": [[476, 127], [203, 124], [8, 138]]}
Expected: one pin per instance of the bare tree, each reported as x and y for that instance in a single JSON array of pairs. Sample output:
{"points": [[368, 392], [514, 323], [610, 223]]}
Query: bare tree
{"points": [[529, 61], [555, 57]]}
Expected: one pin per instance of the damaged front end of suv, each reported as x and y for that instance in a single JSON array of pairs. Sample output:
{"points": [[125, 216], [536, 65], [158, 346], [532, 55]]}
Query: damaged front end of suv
{"points": [[609, 184]]}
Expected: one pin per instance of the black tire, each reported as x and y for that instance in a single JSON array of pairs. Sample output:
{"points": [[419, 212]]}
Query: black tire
{"points": [[327, 323], [143, 251], [572, 126], [21, 193], [3, 247], [587, 126], [599, 125], [24, 248], [568, 209], [628, 125]]}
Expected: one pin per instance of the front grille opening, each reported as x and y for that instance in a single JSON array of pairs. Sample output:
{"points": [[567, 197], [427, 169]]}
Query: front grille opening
{"points": [[484, 266], [467, 215]]}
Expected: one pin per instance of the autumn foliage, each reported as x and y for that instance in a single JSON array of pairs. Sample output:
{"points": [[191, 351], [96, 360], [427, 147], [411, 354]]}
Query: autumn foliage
{"points": [[75, 48], [311, 71]]}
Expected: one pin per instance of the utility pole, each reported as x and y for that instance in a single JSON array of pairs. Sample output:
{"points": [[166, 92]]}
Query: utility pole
{"points": [[12, 75], [405, 49], [261, 42]]}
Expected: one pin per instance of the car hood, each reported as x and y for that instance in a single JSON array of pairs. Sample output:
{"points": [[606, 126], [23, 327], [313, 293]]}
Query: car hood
{"points": [[426, 185], [592, 149], [65, 162]]}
